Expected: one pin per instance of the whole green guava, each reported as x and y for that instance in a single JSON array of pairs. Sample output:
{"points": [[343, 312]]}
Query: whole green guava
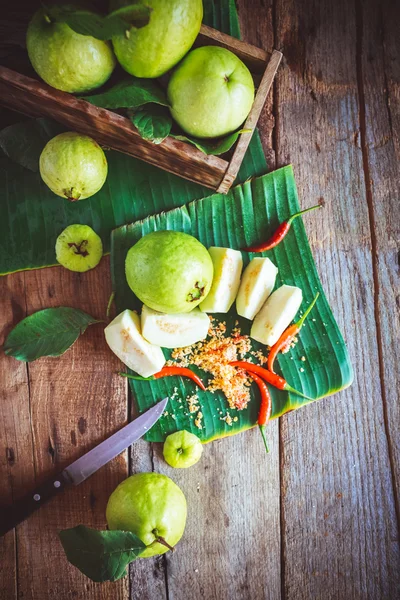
{"points": [[169, 271], [150, 505], [210, 92], [73, 166], [67, 60], [154, 49]]}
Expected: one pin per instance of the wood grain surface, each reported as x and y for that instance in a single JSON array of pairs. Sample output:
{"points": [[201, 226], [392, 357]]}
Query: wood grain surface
{"points": [[319, 518]]}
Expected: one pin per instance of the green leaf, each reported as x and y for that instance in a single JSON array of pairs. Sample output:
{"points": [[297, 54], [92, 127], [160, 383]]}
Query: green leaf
{"points": [[100, 555], [129, 93], [86, 22], [24, 142], [153, 122], [214, 147], [32, 216], [249, 213], [48, 332]]}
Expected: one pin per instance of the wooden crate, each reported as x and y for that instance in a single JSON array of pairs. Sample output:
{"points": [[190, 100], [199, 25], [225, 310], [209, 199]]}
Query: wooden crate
{"points": [[37, 99]]}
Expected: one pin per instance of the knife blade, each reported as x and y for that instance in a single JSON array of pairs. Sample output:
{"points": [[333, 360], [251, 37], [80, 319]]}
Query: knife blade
{"points": [[82, 468]]}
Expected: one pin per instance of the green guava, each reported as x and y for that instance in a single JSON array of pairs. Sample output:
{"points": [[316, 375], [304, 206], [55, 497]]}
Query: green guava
{"points": [[182, 449], [210, 92], [67, 60], [79, 248], [150, 505], [169, 271], [73, 166], [154, 49]]}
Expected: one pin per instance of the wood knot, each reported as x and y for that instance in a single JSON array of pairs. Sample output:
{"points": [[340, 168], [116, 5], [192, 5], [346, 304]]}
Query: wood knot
{"points": [[10, 456]]}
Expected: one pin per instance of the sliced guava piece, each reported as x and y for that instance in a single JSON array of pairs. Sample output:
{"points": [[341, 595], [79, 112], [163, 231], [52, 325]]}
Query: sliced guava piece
{"points": [[256, 285], [228, 265], [276, 314], [124, 337], [174, 331]]}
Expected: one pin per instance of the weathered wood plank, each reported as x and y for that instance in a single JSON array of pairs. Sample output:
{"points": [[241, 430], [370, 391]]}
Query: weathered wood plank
{"points": [[231, 546], [76, 401], [339, 522], [16, 460], [379, 78]]}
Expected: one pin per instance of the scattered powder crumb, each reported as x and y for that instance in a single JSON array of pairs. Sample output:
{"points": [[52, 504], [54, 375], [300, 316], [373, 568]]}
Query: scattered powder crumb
{"points": [[228, 419], [165, 413], [196, 570], [314, 320], [174, 417], [259, 356], [198, 420], [193, 403], [213, 355], [236, 419], [303, 359], [301, 370]]}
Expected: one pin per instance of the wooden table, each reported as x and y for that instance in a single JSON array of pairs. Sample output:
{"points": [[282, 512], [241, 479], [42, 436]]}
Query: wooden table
{"points": [[318, 519]]}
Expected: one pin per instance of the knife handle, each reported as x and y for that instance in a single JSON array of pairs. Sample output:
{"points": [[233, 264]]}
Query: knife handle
{"points": [[11, 516]]}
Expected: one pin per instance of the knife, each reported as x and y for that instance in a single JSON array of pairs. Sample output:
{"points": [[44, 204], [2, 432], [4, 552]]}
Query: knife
{"points": [[81, 469]]}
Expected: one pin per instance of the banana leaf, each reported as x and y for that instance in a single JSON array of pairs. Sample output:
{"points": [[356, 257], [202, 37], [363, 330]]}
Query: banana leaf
{"points": [[32, 216], [248, 214]]}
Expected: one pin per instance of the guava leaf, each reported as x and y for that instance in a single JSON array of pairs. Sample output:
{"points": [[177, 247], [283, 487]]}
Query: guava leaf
{"points": [[214, 147], [48, 332], [24, 142], [129, 93], [100, 555], [101, 27], [153, 122]]}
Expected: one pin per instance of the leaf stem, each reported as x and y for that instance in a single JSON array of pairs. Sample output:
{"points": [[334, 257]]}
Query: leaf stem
{"points": [[162, 541], [264, 437]]}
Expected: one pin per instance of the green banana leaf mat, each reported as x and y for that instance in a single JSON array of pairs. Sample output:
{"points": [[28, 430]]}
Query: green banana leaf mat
{"points": [[249, 213], [33, 217]]}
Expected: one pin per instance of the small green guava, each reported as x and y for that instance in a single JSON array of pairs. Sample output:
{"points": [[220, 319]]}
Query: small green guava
{"points": [[153, 507], [73, 166], [67, 60], [79, 248], [169, 271], [182, 449]]}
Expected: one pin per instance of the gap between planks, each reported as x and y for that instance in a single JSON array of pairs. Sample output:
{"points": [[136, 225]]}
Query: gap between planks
{"points": [[372, 224]]}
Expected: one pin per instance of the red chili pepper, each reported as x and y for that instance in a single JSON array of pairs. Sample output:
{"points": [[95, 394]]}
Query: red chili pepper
{"points": [[272, 378], [279, 234], [167, 372], [265, 407], [287, 337]]}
